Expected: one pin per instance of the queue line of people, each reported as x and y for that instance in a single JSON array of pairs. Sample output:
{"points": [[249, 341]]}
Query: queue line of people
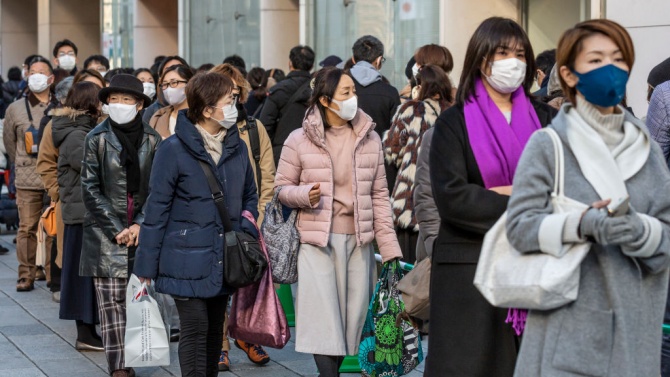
{"points": [[451, 159]]}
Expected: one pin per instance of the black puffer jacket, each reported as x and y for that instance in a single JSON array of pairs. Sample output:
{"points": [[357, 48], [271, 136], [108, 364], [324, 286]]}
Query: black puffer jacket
{"points": [[69, 128], [103, 184]]}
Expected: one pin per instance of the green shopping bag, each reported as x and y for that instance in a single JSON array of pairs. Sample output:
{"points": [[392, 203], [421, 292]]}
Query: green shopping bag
{"points": [[390, 346]]}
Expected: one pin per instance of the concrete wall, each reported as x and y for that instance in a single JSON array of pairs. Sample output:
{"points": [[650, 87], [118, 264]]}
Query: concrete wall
{"points": [[76, 20], [460, 20], [648, 23], [155, 30], [280, 31], [18, 32]]}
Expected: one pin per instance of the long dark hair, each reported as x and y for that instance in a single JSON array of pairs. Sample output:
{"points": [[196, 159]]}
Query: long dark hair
{"points": [[325, 85], [434, 80], [493, 33], [259, 82]]}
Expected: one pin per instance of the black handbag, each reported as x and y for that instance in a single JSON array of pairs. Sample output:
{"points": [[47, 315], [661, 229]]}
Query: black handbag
{"points": [[244, 261]]}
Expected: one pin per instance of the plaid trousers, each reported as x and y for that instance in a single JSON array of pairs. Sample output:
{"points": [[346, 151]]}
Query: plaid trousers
{"points": [[111, 294]]}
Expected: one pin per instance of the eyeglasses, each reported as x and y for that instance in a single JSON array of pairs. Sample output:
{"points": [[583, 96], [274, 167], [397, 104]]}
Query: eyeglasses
{"points": [[71, 53], [172, 84]]}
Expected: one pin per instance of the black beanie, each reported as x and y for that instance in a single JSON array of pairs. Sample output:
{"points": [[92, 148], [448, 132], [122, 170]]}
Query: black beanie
{"points": [[659, 74]]}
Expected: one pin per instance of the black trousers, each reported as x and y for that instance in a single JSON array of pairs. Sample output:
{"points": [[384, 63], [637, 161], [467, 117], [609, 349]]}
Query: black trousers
{"points": [[407, 239], [55, 270], [201, 322]]}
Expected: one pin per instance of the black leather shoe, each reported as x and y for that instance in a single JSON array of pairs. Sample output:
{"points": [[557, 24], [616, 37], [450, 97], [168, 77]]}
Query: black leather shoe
{"points": [[81, 346], [25, 285]]}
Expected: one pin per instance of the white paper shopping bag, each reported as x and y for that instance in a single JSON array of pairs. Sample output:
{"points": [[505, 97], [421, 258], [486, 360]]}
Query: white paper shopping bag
{"points": [[146, 341]]}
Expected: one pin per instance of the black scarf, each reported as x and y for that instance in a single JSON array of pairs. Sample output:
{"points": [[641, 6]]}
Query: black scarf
{"points": [[241, 112], [130, 135]]}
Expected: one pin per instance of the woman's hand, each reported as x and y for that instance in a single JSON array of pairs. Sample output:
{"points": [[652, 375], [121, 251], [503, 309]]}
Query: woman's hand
{"points": [[145, 280], [315, 195], [502, 190], [134, 235], [123, 237]]}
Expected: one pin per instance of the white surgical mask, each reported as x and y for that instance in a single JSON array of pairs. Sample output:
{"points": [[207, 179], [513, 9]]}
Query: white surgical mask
{"points": [[415, 70], [38, 82], [149, 89], [229, 116], [174, 96], [348, 108], [67, 62], [103, 73], [507, 75], [105, 109], [122, 113]]}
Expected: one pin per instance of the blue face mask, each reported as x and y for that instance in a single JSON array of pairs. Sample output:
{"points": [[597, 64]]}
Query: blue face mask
{"points": [[604, 86]]}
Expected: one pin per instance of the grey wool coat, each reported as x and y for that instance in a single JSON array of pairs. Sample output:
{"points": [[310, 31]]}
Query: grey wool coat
{"points": [[614, 326]]}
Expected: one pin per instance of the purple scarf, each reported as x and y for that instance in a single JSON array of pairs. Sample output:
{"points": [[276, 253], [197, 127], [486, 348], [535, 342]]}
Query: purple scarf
{"points": [[497, 145]]}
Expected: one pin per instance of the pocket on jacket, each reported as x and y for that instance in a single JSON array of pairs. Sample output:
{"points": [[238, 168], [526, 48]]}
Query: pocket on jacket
{"points": [[187, 264], [585, 340], [190, 238]]}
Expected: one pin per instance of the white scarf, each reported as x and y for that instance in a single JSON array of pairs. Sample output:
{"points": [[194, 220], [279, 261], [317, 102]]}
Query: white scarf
{"points": [[607, 170]]}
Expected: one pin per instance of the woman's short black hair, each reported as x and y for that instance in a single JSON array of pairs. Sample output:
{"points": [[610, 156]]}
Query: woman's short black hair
{"points": [[491, 34], [161, 67], [204, 90], [147, 70]]}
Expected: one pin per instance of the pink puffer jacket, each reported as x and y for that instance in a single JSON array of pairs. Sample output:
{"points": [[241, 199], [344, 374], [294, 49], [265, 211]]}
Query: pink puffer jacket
{"points": [[305, 161]]}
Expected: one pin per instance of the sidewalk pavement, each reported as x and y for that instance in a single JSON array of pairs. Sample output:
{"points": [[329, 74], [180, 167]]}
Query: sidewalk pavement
{"points": [[35, 343]]}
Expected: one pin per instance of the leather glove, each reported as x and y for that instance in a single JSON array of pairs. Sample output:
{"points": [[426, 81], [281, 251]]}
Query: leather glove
{"points": [[611, 230]]}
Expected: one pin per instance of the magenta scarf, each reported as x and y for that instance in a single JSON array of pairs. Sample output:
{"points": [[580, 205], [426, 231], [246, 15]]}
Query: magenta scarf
{"points": [[497, 145]]}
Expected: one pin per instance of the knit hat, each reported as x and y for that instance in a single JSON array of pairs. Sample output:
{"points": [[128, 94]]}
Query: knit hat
{"points": [[659, 74], [330, 61], [124, 83]]}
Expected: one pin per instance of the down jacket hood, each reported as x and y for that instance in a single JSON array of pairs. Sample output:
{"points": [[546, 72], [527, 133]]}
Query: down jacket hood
{"points": [[365, 73], [66, 120]]}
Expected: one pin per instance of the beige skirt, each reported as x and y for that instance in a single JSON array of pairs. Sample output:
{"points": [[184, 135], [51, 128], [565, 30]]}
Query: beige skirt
{"points": [[334, 290]]}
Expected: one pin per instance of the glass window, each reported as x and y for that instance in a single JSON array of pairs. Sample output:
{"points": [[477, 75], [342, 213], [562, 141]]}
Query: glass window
{"points": [[221, 28], [402, 25], [546, 20], [117, 32]]}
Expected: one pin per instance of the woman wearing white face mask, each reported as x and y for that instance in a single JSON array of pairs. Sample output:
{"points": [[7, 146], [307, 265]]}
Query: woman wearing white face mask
{"points": [[182, 241], [148, 81], [173, 84], [118, 155], [475, 148], [332, 169]]}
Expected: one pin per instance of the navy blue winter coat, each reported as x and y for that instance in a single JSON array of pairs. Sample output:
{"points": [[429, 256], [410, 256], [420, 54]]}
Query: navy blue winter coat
{"points": [[181, 240]]}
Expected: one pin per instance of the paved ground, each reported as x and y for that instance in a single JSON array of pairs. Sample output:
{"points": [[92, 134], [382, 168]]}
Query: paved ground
{"points": [[34, 342]]}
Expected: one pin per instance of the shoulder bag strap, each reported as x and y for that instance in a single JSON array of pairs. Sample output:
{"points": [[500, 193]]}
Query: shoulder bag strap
{"points": [[217, 195], [255, 143], [559, 161]]}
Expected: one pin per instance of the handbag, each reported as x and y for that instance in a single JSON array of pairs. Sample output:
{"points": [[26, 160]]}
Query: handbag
{"points": [[146, 341], [256, 315], [48, 220], [244, 261], [282, 241], [510, 279], [390, 345], [415, 289]]}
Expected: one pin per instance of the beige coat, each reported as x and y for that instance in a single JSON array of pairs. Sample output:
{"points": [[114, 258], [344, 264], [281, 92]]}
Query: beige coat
{"points": [[15, 126], [47, 168], [160, 121], [267, 164]]}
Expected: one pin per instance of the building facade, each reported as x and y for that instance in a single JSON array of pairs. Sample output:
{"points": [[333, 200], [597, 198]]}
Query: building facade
{"points": [[134, 32]]}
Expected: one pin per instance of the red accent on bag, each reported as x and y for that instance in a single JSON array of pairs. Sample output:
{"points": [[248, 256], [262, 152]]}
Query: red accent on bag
{"points": [[256, 315]]}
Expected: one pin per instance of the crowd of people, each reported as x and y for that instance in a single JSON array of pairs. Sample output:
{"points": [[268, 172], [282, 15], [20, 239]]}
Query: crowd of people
{"points": [[420, 172]]}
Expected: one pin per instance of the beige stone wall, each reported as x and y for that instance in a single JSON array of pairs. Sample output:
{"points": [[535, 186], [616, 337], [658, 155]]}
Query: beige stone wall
{"points": [[155, 30], [18, 32], [280, 31], [76, 20]]}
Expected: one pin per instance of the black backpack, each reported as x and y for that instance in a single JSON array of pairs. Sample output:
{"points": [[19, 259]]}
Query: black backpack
{"points": [[255, 143]]}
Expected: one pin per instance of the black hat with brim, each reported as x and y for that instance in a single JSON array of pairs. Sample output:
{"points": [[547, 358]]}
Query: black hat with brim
{"points": [[127, 84]]}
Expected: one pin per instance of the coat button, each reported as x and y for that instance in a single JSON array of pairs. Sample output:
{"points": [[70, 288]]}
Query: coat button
{"points": [[220, 234], [220, 262]]}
